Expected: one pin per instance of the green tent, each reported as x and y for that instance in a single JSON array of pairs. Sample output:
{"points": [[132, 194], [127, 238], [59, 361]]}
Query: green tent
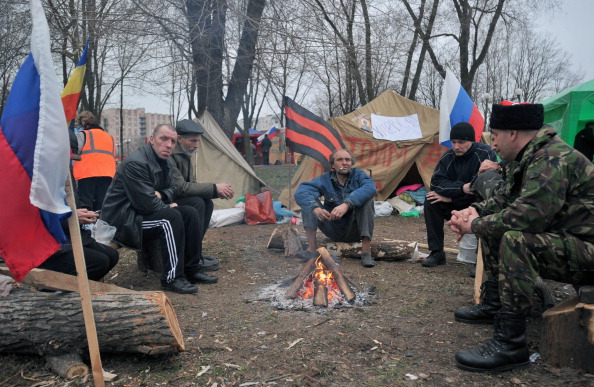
{"points": [[569, 110]]}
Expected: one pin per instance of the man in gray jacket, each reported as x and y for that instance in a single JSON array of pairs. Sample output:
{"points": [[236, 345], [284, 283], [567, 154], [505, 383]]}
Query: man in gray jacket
{"points": [[192, 193], [140, 204]]}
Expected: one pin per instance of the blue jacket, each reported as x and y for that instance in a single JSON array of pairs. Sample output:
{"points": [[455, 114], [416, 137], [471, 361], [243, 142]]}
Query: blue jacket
{"points": [[452, 172], [358, 189]]}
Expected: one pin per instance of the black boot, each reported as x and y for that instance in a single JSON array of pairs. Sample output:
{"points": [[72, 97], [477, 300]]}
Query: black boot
{"points": [[505, 351], [437, 257], [483, 313]]}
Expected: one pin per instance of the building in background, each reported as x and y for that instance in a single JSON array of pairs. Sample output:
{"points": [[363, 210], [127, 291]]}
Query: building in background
{"points": [[137, 128]]}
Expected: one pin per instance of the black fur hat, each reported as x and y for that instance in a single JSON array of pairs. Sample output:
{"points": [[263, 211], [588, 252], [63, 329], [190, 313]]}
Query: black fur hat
{"points": [[520, 116], [462, 131]]}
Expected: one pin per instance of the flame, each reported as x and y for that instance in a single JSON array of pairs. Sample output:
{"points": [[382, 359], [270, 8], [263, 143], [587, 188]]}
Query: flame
{"points": [[322, 276]]}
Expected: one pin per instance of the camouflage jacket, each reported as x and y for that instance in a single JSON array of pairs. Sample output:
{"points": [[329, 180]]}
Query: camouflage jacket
{"points": [[551, 189]]}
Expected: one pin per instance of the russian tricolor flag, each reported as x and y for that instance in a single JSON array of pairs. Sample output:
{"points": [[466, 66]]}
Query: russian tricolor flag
{"points": [[272, 133], [456, 106], [34, 155]]}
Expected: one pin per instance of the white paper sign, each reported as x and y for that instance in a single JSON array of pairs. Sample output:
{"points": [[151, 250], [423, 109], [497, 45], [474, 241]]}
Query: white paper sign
{"points": [[396, 128]]}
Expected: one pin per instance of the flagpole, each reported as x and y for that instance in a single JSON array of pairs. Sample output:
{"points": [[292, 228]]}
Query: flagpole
{"points": [[83, 286]]}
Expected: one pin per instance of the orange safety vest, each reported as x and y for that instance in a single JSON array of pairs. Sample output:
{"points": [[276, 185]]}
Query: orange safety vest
{"points": [[97, 156]]}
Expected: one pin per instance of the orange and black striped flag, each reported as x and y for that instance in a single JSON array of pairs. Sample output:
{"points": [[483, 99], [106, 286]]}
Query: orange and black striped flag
{"points": [[310, 135]]}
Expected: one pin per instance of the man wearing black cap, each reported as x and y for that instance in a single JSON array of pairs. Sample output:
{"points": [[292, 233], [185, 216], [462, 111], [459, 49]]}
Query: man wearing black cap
{"points": [[540, 221], [192, 193], [450, 186]]}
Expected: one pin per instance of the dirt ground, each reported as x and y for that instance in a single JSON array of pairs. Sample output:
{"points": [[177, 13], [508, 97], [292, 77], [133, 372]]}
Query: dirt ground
{"points": [[235, 339]]}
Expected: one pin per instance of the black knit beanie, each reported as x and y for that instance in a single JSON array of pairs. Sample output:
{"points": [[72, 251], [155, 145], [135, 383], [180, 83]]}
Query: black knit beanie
{"points": [[462, 131], [520, 116]]}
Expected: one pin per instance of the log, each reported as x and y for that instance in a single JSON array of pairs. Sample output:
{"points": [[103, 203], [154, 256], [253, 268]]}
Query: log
{"points": [[339, 277], [292, 242], [68, 366], [300, 279], [567, 335], [149, 257], [320, 297], [52, 324]]}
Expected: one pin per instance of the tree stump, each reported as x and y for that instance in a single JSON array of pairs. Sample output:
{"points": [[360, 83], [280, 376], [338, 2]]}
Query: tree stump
{"points": [[34, 322], [567, 337], [149, 258]]}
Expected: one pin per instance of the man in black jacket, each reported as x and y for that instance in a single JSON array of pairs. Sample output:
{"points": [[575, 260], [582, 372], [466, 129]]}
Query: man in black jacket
{"points": [[139, 203], [450, 186]]}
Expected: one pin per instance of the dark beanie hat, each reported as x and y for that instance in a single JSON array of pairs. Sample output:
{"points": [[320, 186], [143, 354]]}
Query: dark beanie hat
{"points": [[462, 131], [520, 116]]}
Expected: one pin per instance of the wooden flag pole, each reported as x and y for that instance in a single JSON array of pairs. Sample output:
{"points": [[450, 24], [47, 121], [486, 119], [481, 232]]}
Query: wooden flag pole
{"points": [[83, 286]]}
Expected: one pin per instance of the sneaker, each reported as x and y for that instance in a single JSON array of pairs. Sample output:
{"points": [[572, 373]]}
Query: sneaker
{"points": [[437, 257], [208, 263], [306, 255], [201, 278], [179, 285], [367, 260]]}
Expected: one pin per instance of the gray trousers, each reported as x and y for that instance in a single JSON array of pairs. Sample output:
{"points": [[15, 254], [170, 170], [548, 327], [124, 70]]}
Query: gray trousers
{"points": [[355, 224]]}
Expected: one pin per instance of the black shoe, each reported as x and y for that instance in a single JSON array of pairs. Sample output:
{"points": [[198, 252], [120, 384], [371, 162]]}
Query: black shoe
{"points": [[507, 349], [472, 271], [306, 255], [179, 285], [485, 312], [367, 260], [209, 263], [201, 278], [437, 257]]}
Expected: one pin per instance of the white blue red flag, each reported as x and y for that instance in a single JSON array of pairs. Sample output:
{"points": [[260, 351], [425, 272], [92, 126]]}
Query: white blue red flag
{"points": [[456, 106], [272, 133], [34, 158]]}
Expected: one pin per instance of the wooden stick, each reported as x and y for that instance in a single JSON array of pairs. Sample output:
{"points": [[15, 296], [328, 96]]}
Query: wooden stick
{"points": [[320, 297], [83, 286], [479, 274], [339, 277], [446, 249], [296, 285]]}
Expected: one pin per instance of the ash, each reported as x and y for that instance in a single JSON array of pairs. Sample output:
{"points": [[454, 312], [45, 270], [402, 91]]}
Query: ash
{"points": [[275, 294]]}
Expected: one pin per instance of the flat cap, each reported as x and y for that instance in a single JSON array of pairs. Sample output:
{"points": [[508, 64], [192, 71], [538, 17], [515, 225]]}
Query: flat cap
{"points": [[188, 127]]}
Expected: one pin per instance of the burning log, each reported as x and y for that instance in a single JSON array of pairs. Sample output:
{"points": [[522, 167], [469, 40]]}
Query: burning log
{"points": [[320, 293], [300, 280], [282, 237], [339, 277], [140, 322]]}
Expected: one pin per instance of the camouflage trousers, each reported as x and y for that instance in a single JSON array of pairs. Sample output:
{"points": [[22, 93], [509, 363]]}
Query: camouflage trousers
{"points": [[518, 258]]}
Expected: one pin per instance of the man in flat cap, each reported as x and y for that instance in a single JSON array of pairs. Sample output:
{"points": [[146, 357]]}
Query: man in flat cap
{"points": [[450, 186], [540, 221], [192, 193]]}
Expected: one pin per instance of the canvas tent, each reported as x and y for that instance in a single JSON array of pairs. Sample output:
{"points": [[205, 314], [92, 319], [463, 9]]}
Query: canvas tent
{"points": [[390, 163], [218, 161], [570, 109]]}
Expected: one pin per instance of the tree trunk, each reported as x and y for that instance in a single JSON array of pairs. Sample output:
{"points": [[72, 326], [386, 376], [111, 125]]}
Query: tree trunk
{"points": [[52, 324]]}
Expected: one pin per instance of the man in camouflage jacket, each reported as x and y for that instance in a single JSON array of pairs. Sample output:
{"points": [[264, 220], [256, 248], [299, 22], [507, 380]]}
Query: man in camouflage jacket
{"points": [[539, 221]]}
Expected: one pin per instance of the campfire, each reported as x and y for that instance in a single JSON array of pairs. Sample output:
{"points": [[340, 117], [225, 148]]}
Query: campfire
{"points": [[322, 280]]}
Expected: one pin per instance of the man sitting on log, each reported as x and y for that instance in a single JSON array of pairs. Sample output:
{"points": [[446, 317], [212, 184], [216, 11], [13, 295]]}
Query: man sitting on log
{"points": [[347, 212], [540, 221], [450, 186], [140, 204], [192, 193]]}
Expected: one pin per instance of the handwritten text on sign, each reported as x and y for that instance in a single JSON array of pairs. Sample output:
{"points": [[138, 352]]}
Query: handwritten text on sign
{"points": [[396, 128]]}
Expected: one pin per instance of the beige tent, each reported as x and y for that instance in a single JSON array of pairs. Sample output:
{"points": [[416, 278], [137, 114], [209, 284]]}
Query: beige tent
{"points": [[218, 161], [390, 163]]}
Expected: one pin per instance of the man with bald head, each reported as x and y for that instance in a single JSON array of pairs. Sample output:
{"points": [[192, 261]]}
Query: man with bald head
{"points": [[140, 204]]}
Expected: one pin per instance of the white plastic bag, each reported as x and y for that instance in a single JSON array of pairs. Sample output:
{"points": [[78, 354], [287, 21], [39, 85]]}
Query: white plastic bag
{"points": [[382, 208], [103, 232]]}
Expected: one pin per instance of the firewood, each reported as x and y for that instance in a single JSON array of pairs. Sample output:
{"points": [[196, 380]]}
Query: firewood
{"points": [[141, 322], [68, 366], [320, 294], [292, 242], [567, 336], [300, 279], [339, 277]]}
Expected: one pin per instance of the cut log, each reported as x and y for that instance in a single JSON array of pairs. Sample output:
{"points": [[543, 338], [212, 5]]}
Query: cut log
{"points": [[34, 322], [339, 277], [292, 242], [300, 279], [68, 366], [149, 258], [320, 294], [567, 336]]}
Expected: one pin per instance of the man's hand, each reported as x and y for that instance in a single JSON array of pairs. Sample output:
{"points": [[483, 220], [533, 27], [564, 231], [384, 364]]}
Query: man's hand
{"points": [[321, 214], [434, 197], [339, 211], [488, 165], [158, 194], [224, 191], [171, 205], [461, 221], [85, 216], [466, 189]]}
